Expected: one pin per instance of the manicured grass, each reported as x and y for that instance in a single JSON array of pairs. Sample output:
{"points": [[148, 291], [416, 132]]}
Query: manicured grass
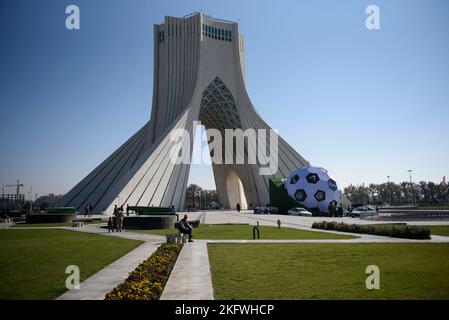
{"points": [[245, 232], [439, 230], [46, 225], [33, 262], [329, 271]]}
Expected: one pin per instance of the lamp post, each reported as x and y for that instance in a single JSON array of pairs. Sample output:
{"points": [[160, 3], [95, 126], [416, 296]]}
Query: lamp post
{"points": [[411, 186], [389, 190], [31, 200]]}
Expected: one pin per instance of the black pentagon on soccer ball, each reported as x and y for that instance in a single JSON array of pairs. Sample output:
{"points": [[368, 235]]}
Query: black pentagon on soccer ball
{"points": [[332, 184], [312, 178], [320, 195], [294, 179], [300, 195]]}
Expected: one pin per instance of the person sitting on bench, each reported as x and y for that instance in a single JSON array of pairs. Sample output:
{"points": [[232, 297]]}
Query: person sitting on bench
{"points": [[185, 228]]}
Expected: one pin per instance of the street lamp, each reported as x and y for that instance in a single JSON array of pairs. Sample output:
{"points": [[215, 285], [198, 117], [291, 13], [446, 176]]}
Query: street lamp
{"points": [[31, 199], [389, 190], [411, 186]]}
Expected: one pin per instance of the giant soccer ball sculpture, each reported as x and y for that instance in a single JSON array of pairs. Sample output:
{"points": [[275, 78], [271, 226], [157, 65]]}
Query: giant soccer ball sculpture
{"points": [[313, 188]]}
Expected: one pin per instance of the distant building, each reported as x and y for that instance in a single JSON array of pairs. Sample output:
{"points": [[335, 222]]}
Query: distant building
{"points": [[47, 201], [12, 200]]}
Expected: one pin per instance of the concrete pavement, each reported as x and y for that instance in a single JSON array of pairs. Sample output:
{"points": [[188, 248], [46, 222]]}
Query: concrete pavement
{"points": [[190, 278], [99, 284], [102, 282]]}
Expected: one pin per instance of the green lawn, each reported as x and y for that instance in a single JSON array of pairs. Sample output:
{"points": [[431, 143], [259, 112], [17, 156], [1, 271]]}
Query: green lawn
{"points": [[33, 262], [439, 230], [329, 271], [245, 232]]}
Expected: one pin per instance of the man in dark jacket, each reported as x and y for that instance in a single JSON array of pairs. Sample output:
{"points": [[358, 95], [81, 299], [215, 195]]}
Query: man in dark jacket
{"points": [[185, 227]]}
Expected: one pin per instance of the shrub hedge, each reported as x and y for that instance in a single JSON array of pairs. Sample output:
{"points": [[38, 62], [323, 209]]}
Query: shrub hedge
{"points": [[148, 280], [396, 231]]}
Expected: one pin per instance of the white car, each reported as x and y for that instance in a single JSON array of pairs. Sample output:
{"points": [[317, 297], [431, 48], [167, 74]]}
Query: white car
{"points": [[362, 212], [299, 212]]}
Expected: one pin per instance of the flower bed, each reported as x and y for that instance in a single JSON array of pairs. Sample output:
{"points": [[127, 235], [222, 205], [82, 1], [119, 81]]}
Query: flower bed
{"points": [[148, 280], [396, 231]]}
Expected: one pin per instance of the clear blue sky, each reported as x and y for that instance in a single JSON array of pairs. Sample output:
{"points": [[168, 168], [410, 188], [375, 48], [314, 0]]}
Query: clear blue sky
{"points": [[363, 104]]}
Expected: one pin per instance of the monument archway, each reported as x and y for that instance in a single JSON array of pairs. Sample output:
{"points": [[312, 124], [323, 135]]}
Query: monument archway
{"points": [[198, 74], [236, 192], [218, 111]]}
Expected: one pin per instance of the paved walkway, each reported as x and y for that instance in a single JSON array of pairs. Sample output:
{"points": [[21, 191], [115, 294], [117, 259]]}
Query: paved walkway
{"points": [[303, 223], [190, 279], [99, 284], [124, 234], [6, 225]]}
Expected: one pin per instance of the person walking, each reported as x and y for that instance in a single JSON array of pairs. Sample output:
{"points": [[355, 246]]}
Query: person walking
{"points": [[91, 208], [329, 210], [340, 210], [119, 219], [86, 211], [110, 225], [238, 207]]}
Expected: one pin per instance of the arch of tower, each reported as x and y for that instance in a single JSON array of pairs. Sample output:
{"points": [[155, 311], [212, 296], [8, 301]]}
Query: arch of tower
{"points": [[199, 75]]}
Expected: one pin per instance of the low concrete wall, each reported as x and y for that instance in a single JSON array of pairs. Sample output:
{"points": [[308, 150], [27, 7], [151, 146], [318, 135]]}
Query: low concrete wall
{"points": [[50, 218], [412, 214], [148, 222]]}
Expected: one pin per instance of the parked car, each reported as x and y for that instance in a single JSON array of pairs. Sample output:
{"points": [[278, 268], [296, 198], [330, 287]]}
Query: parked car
{"points": [[362, 212], [299, 212]]}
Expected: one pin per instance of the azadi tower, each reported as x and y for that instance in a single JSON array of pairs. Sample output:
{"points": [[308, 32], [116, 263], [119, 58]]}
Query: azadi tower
{"points": [[199, 75]]}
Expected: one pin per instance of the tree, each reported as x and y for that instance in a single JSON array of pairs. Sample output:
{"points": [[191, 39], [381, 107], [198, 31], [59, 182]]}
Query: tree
{"points": [[192, 194], [424, 193]]}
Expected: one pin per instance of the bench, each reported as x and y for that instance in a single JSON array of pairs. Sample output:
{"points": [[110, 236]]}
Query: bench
{"points": [[175, 238], [193, 223], [181, 235], [58, 210]]}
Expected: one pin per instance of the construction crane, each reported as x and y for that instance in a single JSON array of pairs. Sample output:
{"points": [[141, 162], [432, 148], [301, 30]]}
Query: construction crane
{"points": [[18, 186]]}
